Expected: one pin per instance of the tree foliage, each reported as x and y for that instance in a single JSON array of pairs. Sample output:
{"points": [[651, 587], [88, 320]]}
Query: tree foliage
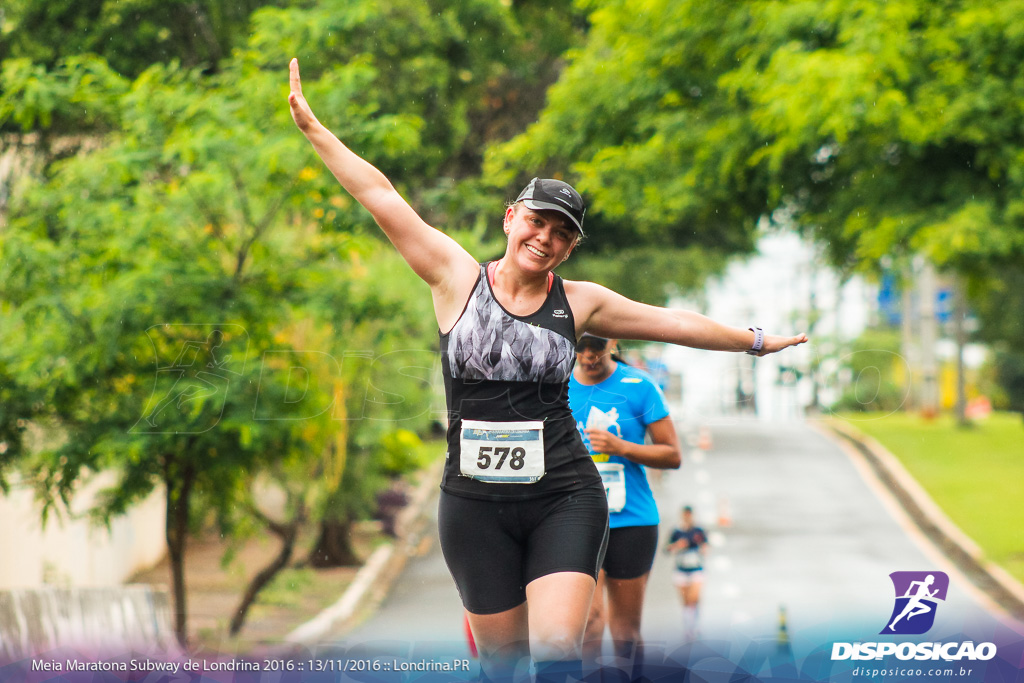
{"points": [[999, 307], [173, 233], [130, 36], [144, 283], [188, 299], [630, 120], [881, 127], [652, 275]]}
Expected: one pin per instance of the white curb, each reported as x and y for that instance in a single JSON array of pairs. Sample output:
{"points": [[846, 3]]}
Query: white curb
{"points": [[929, 509], [380, 561], [316, 628]]}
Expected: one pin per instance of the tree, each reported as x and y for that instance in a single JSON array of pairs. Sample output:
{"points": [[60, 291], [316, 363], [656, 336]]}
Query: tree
{"points": [[175, 251], [629, 120], [163, 247], [652, 275], [16, 402], [385, 370], [881, 129], [130, 36], [1000, 312]]}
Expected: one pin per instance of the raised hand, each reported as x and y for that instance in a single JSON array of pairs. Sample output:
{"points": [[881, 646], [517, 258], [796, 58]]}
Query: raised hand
{"points": [[301, 113]]}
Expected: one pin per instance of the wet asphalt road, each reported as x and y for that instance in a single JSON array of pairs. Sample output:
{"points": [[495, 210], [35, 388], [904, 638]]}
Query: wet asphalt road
{"points": [[793, 525]]}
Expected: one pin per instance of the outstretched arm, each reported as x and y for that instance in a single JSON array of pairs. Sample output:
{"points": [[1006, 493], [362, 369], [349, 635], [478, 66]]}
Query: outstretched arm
{"points": [[434, 256], [600, 311]]}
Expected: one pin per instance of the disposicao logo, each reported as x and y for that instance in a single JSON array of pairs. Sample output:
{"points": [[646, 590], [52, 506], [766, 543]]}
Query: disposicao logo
{"points": [[917, 598]]}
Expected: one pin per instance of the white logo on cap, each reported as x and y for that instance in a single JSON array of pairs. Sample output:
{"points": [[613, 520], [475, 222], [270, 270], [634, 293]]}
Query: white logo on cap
{"points": [[565, 192]]}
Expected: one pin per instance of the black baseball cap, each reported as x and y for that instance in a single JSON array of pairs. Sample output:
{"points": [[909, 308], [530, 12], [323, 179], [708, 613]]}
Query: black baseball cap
{"points": [[548, 194], [591, 341]]}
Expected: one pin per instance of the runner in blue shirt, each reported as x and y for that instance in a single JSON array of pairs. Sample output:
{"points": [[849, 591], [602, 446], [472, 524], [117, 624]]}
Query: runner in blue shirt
{"points": [[615, 407]]}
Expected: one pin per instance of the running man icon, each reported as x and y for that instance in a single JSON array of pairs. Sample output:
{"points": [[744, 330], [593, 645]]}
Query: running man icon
{"points": [[915, 605], [202, 371], [917, 594]]}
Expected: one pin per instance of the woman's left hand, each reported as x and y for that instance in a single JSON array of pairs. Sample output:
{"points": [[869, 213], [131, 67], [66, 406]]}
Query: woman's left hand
{"points": [[301, 112], [774, 343]]}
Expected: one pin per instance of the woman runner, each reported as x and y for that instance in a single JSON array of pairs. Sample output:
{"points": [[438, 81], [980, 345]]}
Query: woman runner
{"points": [[616, 407], [522, 516]]}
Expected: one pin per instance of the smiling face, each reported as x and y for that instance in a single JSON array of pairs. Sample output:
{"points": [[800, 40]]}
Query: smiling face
{"points": [[538, 240]]}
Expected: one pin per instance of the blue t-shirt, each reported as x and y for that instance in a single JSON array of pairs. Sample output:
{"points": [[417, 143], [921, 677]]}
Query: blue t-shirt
{"points": [[623, 404]]}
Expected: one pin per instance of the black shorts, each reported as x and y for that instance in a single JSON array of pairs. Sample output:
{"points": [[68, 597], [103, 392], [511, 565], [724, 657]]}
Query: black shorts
{"points": [[494, 548], [631, 551]]}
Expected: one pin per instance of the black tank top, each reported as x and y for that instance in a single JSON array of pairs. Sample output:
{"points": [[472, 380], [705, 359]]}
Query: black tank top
{"points": [[500, 367]]}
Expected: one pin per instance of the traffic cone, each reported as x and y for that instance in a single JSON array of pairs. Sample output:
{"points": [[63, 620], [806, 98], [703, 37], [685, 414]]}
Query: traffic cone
{"points": [[783, 636], [782, 663], [724, 513], [704, 439]]}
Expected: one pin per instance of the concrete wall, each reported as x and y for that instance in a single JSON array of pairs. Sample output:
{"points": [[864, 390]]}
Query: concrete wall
{"points": [[70, 551], [95, 621]]}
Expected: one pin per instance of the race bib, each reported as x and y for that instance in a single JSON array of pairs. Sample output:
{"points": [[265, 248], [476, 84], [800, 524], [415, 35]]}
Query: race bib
{"points": [[614, 479], [502, 452], [689, 559]]}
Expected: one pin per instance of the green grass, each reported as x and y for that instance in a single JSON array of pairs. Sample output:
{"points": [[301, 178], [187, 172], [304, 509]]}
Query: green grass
{"points": [[975, 475], [286, 589]]}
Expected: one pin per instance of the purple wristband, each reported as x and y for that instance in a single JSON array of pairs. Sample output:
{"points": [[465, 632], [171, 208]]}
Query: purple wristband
{"points": [[758, 340]]}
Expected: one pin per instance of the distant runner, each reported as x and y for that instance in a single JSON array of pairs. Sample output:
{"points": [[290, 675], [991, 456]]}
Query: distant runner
{"points": [[689, 543]]}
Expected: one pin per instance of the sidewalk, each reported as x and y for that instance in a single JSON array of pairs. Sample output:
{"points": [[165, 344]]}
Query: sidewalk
{"points": [[302, 604]]}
